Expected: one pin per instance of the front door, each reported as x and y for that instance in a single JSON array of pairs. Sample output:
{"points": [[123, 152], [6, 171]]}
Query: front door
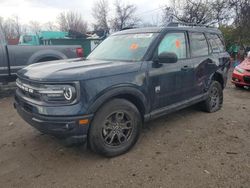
{"points": [[168, 79]]}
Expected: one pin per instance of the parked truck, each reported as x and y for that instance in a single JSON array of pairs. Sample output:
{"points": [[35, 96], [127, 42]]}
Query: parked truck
{"points": [[36, 39], [15, 57], [61, 38]]}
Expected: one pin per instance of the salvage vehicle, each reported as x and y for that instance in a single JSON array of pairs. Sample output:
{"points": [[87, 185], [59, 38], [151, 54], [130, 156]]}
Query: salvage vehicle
{"points": [[15, 57], [241, 73], [133, 76]]}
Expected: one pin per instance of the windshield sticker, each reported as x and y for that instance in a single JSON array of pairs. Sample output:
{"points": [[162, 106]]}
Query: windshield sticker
{"points": [[134, 46], [144, 35], [177, 44]]}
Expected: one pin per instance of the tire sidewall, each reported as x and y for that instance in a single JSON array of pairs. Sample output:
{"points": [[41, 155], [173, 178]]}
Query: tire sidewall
{"points": [[220, 92], [95, 137]]}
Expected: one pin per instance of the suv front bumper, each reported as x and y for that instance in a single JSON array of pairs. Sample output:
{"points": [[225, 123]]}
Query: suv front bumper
{"points": [[66, 127]]}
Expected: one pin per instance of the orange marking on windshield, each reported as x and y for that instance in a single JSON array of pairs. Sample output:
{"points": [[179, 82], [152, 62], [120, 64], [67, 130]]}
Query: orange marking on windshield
{"points": [[134, 46], [177, 44]]}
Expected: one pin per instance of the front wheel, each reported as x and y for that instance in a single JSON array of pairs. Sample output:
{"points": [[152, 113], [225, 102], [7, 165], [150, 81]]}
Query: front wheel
{"points": [[115, 128], [215, 98]]}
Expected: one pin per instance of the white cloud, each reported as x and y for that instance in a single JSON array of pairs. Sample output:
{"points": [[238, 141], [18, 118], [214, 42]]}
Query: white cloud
{"points": [[27, 12]]}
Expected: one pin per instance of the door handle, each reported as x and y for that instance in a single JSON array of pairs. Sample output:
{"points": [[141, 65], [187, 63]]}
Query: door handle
{"points": [[186, 68]]}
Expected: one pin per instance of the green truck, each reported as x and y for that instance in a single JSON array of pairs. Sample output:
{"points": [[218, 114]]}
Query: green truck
{"points": [[59, 38], [37, 38]]}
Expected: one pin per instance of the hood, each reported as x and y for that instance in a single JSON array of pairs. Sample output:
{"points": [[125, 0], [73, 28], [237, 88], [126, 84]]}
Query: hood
{"points": [[76, 69], [245, 64]]}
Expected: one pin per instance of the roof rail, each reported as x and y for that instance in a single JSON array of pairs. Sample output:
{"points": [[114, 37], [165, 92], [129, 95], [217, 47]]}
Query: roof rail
{"points": [[185, 24], [126, 28]]}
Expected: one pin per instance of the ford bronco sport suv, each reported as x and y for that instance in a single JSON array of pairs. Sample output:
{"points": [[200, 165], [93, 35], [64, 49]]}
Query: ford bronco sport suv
{"points": [[132, 77]]}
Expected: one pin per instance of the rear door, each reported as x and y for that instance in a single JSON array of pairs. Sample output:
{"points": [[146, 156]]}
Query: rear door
{"points": [[203, 64], [219, 56]]}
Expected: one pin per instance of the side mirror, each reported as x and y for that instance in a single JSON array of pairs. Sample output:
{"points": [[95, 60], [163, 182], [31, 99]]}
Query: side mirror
{"points": [[167, 57]]}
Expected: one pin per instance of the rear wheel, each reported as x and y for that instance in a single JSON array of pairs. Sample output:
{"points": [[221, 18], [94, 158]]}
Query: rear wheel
{"points": [[215, 98], [115, 128]]}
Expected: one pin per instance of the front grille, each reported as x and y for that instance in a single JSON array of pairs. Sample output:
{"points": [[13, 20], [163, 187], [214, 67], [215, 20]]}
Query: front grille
{"points": [[46, 93], [247, 79], [34, 96], [28, 89]]}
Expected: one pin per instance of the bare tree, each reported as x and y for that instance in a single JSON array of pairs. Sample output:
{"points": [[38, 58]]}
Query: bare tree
{"points": [[1, 22], [72, 21], [49, 26], [241, 9], [198, 11], [168, 15], [100, 14], [11, 27], [241, 21], [17, 25], [221, 11], [35, 26], [124, 16]]}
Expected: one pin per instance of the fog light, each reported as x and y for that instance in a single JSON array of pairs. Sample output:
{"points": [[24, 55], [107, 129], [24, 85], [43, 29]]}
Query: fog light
{"points": [[69, 126]]}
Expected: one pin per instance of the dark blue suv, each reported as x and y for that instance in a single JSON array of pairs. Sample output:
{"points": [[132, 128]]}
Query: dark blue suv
{"points": [[132, 77]]}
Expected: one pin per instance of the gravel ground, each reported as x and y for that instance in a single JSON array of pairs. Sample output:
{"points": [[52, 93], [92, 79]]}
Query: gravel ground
{"points": [[188, 148]]}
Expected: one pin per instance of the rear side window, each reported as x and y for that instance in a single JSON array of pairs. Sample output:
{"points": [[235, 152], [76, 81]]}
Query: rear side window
{"points": [[216, 43], [198, 44], [27, 38], [174, 42]]}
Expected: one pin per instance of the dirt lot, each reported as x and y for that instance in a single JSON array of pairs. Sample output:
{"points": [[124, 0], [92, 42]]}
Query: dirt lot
{"points": [[189, 148]]}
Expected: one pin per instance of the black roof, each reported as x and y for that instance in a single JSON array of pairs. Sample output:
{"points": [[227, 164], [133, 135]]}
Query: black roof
{"points": [[162, 29]]}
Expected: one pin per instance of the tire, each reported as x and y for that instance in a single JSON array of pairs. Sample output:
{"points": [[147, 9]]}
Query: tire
{"points": [[115, 128], [215, 98]]}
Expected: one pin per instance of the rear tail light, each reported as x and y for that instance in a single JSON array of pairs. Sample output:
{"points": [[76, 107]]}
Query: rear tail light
{"points": [[79, 52]]}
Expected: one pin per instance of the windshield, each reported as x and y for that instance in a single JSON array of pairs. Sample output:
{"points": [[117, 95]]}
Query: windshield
{"points": [[128, 47]]}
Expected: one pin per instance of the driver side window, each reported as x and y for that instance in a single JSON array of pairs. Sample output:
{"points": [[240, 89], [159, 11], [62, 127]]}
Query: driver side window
{"points": [[174, 42]]}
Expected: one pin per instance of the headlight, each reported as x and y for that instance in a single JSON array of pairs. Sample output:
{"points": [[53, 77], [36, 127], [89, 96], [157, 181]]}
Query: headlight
{"points": [[240, 70], [68, 93], [59, 93]]}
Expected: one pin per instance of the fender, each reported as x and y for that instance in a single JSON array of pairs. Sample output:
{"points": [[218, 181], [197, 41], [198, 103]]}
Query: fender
{"points": [[218, 75], [120, 91], [45, 53]]}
